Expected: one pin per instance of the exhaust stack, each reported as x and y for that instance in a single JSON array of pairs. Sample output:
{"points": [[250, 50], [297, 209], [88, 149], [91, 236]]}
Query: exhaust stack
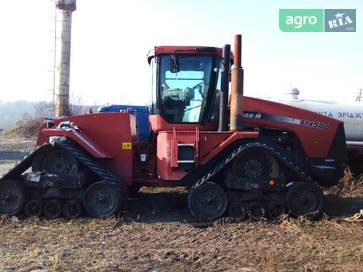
{"points": [[64, 9], [236, 110], [223, 100]]}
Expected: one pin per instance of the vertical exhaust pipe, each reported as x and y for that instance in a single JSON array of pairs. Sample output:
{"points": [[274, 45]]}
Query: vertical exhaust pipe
{"points": [[222, 125], [236, 110]]}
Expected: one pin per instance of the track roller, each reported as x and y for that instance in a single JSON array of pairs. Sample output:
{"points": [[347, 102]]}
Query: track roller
{"points": [[208, 201], [33, 208], [102, 199], [305, 199], [238, 210], [72, 209], [256, 210], [12, 197], [52, 209], [274, 209]]}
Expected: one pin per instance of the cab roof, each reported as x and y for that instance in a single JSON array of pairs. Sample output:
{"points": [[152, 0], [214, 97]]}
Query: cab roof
{"points": [[158, 50]]}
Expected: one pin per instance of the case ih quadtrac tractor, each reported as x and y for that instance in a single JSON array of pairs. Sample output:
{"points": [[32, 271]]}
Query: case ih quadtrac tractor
{"points": [[236, 155]]}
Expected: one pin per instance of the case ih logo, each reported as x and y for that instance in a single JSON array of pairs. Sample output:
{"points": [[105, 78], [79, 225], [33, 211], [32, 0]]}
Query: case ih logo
{"points": [[317, 20]]}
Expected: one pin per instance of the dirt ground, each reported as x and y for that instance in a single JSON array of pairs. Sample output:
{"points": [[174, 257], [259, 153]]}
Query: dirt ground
{"points": [[157, 234]]}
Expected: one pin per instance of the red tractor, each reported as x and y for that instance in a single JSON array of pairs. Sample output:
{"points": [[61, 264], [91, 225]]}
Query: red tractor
{"points": [[260, 160]]}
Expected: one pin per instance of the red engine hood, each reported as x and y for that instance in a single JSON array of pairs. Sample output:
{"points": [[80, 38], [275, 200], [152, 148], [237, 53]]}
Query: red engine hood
{"points": [[315, 131]]}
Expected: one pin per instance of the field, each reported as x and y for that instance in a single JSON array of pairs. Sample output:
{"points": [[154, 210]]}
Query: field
{"points": [[157, 234]]}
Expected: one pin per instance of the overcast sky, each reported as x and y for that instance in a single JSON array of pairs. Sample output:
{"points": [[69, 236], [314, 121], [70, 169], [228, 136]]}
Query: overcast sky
{"points": [[111, 38]]}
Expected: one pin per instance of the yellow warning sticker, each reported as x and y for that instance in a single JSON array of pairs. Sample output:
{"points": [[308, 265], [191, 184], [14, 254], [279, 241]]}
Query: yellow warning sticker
{"points": [[126, 145]]}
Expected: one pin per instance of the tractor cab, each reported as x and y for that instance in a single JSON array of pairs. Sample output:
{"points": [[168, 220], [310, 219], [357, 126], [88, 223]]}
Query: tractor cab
{"points": [[184, 114], [184, 83]]}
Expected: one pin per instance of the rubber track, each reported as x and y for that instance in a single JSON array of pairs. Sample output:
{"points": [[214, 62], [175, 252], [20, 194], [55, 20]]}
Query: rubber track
{"points": [[288, 159], [87, 160]]}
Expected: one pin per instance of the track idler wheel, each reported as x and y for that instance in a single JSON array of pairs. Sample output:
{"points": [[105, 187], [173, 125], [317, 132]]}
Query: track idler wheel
{"points": [[207, 202], [305, 199], [274, 209], [33, 208], [12, 197], [237, 210], [52, 209], [256, 210], [102, 199], [72, 209]]}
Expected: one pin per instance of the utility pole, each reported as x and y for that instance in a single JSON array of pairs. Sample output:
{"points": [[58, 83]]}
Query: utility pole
{"points": [[64, 9], [359, 96]]}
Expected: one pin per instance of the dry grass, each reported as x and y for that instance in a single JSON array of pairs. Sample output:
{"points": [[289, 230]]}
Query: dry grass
{"points": [[124, 245], [152, 237], [350, 185], [27, 128]]}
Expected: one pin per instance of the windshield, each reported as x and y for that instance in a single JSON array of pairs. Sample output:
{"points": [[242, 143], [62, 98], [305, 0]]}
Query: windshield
{"points": [[183, 94]]}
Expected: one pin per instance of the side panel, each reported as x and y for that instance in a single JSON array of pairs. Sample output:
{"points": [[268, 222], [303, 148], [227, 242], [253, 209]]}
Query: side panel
{"points": [[206, 145], [108, 136], [316, 132]]}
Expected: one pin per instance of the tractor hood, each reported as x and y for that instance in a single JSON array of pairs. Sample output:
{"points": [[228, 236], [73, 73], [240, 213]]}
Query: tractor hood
{"points": [[315, 131]]}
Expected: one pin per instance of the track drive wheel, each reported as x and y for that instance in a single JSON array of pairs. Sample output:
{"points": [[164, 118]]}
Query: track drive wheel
{"points": [[72, 209], [102, 199], [208, 201], [255, 164], [56, 161], [33, 208], [12, 197], [305, 199], [52, 209]]}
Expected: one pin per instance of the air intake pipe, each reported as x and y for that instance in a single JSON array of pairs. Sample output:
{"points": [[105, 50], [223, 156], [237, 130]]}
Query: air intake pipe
{"points": [[236, 110]]}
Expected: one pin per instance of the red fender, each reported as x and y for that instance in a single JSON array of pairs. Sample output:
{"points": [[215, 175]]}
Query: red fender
{"points": [[80, 139], [106, 136]]}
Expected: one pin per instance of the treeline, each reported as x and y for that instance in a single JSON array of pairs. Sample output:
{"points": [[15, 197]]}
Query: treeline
{"points": [[13, 111]]}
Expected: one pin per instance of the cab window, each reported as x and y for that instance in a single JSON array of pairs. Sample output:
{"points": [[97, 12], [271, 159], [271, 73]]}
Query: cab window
{"points": [[183, 93]]}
